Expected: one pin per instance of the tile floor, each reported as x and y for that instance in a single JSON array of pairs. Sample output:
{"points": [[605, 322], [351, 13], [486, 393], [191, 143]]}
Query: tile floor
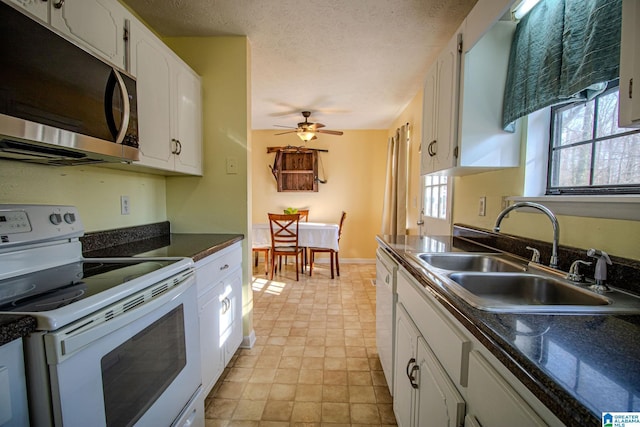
{"points": [[315, 361]]}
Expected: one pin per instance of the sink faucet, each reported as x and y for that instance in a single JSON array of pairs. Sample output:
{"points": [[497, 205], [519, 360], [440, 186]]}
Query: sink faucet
{"points": [[553, 263]]}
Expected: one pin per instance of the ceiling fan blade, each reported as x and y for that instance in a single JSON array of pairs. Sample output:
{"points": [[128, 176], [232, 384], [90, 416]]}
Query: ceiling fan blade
{"points": [[330, 132], [281, 126], [289, 131], [317, 125]]}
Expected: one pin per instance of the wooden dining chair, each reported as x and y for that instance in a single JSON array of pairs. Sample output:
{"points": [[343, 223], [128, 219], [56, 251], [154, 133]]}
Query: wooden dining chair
{"points": [[304, 216], [264, 249], [284, 239], [333, 255]]}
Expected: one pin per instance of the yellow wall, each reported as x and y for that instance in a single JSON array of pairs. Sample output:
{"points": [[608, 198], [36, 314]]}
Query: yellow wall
{"points": [[94, 190], [354, 170]]}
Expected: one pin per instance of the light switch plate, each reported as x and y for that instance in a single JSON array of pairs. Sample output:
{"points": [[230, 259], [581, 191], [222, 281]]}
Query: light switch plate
{"points": [[232, 166]]}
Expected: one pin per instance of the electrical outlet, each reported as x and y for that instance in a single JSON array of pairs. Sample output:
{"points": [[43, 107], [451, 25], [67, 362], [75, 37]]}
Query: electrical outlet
{"points": [[482, 207], [125, 207]]}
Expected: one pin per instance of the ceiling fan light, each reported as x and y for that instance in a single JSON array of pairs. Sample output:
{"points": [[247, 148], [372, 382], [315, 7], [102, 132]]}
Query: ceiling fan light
{"points": [[306, 136]]}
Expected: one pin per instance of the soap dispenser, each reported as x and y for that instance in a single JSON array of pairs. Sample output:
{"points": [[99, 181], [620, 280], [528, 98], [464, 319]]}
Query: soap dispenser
{"points": [[600, 276]]}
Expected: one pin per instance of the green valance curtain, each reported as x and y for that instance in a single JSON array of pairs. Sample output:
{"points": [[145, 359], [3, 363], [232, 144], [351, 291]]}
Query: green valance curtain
{"points": [[563, 50]]}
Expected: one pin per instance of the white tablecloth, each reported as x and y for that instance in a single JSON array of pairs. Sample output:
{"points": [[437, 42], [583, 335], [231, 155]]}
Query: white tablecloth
{"points": [[310, 234]]}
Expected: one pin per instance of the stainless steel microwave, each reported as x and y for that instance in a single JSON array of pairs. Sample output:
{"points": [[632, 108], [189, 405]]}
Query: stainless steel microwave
{"points": [[59, 104]]}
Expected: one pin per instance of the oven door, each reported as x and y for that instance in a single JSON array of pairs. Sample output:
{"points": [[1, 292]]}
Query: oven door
{"points": [[137, 362]]}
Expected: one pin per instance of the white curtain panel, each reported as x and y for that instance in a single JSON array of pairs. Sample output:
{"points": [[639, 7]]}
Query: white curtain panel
{"points": [[394, 212]]}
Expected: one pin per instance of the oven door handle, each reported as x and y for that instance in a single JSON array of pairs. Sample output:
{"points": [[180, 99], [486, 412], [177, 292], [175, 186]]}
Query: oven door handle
{"points": [[63, 343]]}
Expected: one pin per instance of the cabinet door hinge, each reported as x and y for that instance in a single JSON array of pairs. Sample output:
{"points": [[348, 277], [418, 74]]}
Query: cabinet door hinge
{"points": [[459, 43], [455, 152], [630, 88]]}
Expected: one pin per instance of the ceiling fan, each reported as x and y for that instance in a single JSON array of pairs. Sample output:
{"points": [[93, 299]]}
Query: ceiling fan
{"points": [[306, 131]]}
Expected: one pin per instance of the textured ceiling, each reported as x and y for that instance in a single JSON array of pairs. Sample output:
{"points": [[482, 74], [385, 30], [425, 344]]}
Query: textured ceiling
{"points": [[355, 64]]}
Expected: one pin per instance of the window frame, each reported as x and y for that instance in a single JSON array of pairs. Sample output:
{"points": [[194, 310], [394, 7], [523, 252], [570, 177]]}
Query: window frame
{"points": [[553, 134], [442, 200]]}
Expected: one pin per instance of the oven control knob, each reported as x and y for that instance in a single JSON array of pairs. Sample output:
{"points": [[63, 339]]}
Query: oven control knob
{"points": [[69, 217], [55, 218]]}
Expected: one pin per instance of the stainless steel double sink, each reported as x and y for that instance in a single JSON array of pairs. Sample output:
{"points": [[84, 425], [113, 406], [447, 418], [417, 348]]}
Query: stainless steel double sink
{"points": [[500, 283]]}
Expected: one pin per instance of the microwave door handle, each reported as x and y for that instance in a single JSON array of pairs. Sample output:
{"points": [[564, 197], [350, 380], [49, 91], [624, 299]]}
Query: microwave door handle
{"points": [[114, 78]]}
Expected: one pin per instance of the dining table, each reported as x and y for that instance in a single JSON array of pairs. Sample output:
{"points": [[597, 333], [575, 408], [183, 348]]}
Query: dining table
{"points": [[310, 234]]}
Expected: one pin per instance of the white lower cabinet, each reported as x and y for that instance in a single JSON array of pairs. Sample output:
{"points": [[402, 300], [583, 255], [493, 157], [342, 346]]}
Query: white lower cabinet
{"points": [[424, 395], [14, 408], [385, 309], [219, 282], [444, 376], [495, 402]]}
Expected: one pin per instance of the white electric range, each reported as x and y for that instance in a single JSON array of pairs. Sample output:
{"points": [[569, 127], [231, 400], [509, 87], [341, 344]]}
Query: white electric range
{"points": [[117, 339]]}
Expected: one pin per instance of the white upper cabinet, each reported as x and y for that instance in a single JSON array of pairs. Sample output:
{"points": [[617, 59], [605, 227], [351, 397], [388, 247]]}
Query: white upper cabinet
{"points": [[97, 25], [169, 106], [189, 121], [629, 106], [440, 110], [463, 96]]}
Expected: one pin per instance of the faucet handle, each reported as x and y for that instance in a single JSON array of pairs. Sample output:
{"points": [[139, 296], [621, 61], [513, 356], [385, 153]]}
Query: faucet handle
{"points": [[574, 275], [535, 256]]}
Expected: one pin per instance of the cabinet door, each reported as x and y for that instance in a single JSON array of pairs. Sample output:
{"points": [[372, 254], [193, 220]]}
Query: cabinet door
{"points": [[406, 351], [36, 8], [98, 24], [428, 148], [447, 105], [488, 391], [231, 315], [438, 402], [440, 111], [188, 122], [629, 105], [153, 71], [211, 355]]}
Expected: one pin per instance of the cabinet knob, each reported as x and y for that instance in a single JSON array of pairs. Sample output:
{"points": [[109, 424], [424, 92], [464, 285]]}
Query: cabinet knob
{"points": [[58, 4], [224, 267]]}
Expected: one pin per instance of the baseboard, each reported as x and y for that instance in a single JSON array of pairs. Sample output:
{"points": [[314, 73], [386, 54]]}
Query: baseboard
{"points": [[347, 261], [248, 341]]}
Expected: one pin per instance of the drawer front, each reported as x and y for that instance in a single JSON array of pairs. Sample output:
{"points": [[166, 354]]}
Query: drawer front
{"points": [[447, 341], [216, 267]]}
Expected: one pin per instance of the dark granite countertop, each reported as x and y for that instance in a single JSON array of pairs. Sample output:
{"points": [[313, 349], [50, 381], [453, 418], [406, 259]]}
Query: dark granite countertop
{"points": [[155, 240], [195, 246], [15, 326], [577, 365]]}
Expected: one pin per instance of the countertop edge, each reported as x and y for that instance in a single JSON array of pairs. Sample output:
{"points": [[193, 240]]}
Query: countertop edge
{"points": [[216, 248]]}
